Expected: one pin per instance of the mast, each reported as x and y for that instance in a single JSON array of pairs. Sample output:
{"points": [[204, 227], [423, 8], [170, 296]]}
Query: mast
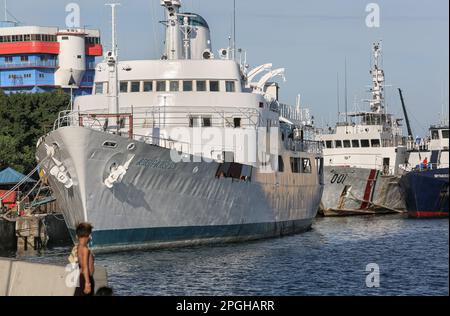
{"points": [[346, 94], [377, 101], [408, 126], [338, 98], [173, 49], [112, 61], [234, 30], [6, 10]]}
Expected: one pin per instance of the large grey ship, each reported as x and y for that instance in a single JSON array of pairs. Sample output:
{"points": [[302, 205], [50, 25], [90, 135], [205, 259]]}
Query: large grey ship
{"points": [[191, 148]]}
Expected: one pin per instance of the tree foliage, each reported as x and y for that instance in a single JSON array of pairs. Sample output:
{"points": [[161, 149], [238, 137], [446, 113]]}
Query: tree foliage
{"points": [[24, 118]]}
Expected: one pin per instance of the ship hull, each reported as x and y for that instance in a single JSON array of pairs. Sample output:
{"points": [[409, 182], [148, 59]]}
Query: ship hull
{"points": [[426, 193], [359, 191], [160, 203]]}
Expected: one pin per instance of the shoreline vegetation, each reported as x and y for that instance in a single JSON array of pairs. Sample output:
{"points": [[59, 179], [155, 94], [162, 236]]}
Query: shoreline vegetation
{"points": [[24, 118]]}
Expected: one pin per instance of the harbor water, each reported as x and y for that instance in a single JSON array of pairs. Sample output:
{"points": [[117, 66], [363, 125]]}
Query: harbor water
{"points": [[331, 259]]}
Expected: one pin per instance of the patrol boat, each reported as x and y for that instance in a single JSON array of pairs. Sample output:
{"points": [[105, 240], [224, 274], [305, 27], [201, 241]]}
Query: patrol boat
{"points": [[187, 149], [362, 156], [426, 185]]}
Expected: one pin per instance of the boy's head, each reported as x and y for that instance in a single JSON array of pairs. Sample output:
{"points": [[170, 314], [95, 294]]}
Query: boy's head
{"points": [[83, 230]]}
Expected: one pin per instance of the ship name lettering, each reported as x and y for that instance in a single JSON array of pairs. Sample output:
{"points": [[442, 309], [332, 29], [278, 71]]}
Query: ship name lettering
{"points": [[156, 164]]}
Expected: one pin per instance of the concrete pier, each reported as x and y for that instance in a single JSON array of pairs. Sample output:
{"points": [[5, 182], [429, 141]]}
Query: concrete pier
{"points": [[18, 278]]}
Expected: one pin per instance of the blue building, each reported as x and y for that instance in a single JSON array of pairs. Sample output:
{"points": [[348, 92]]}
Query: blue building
{"points": [[39, 59]]}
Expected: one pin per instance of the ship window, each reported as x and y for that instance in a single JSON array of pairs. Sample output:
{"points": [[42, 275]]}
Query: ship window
{"points": [[124, 86], [187, 86], [206, 121], [237, 122], [445, 133], [8, 59], [161, 85], [280, 164], [27, 38], [295, 165], [347, 144], [148, 86], [174, 86], [338, 144], [375, 142], [23, 58], [306, 165], [319, 165], [99, 88], [135, 86], [329, 144], [435, 134], [65, 38], [230, 86], [214, 86], [355, 143], [201, 85], [365, 143]]}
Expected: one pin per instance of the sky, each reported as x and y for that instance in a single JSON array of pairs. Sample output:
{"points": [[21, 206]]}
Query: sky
{"points": [[311, 39]]}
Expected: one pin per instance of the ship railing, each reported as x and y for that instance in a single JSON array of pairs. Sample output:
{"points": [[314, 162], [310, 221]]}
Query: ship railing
{"points": [[309, 146], [30, 64]]}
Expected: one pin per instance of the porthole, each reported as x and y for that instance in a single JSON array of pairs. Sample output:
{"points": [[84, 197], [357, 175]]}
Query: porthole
{"points": [[109, 144], [131, 146]]}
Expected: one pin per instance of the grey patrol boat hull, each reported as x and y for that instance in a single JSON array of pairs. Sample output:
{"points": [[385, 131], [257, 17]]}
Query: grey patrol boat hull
{"points": [[160, 203], [359, 191]]}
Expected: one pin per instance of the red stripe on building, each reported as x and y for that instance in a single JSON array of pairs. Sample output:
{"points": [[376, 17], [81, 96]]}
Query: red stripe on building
{"points": [[425, 214], [94, 50], [369, 188], [29, 48]]}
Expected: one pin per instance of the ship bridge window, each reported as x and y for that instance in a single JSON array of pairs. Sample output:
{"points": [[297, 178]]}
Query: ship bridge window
{"points": [[355, 143], [197, 121], [295, 165], [347, 144], [375, 142], [237, 122], [214, 86], [445, 133], [135, 86], [187, 85], [201, 85], [161, 86], [148, 86], [365, 143], [338, 144], [123, 87], [280, 164], [435, 134], [306, 165], [101, 87], [329, 144], [174, 86], [230, 86]]}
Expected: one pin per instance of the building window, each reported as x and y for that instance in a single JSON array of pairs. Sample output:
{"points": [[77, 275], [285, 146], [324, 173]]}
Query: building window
{"points": [[347, 144], [306, 165], [355, 143], [230, 86], [375, 142], [135, 86], [365, 143], [214, 86], [329, 144], [280, 164], [41, 75], [24, 58], [201, 85], [44, 57], [148, 86], [187, 86], [338, 144], [161, 86], [174, 86], [123, 87]]}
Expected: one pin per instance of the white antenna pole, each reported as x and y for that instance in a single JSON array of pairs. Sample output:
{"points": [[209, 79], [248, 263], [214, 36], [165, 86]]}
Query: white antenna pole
{"points": [[6, 10], [114, 31], [234, 29]]}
